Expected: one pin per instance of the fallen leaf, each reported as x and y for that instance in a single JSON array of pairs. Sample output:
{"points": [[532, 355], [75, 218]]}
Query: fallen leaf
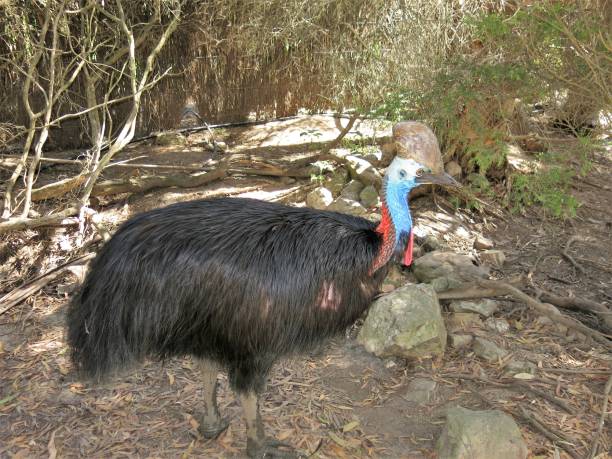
{"points": [[350, 426], [524, 376]]}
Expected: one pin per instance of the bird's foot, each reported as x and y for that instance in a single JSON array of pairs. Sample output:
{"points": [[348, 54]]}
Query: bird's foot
{"points": [[270, 448], [210, 429]]}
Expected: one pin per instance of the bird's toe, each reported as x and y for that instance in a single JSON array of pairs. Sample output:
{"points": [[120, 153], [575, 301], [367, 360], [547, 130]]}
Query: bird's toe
{"points": [[213, 429], [272, 448]]}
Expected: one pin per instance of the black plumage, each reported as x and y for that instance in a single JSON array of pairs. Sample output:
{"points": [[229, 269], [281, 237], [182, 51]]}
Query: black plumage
{"points": [[239, 282]]}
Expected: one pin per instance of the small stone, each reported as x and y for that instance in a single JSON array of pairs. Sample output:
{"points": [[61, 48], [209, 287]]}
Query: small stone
{"points": [[460, 341], [420, 390], [460, 321], [352, 190], [453, 169], [520, 366], [485, 307], [482, 243], [497, 325], [369, 197], [347, 206], [362, 170], [169, 138], [493, 257], [221, 145], [544, 321], [480, 435], [442, 284], [431, 243], [337, 181], [319, 198], [488, 351]]}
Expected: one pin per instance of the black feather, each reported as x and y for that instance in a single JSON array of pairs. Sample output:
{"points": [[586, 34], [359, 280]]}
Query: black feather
{"points": [[239, 281]]}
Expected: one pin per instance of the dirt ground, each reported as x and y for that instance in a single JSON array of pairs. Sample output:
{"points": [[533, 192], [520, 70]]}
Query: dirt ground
{"points": [[340, 401]]}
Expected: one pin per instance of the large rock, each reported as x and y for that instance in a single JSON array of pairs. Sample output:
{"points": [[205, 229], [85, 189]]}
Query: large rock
{"points": [[352, 190], [319, 198], [348, 206], [363, 171], [480, 435], [406, 323], [369, 197], [447, 270]]}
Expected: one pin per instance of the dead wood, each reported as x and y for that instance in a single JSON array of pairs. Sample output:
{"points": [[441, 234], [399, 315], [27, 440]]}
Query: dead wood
{"points": [[602, 418], [580, 304], [17, 295], [59, 188], [571, 259], [487, 288], [145, 183], [59, 219], [551, 434]]}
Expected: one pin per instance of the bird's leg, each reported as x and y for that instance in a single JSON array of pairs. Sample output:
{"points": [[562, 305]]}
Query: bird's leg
{"points": [[211, 423], [258, 446]]}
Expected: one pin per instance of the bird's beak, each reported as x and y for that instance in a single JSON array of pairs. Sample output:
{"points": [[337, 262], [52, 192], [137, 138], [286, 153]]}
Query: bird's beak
{"points": [[442, 179]]}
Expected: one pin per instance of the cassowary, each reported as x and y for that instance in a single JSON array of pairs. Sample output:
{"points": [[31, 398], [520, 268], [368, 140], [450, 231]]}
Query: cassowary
{"points": [[239, 283]]}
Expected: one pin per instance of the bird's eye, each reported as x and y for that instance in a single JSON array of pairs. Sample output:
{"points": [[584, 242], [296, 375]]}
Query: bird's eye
{"points": [[419, 172], [402, 173]]}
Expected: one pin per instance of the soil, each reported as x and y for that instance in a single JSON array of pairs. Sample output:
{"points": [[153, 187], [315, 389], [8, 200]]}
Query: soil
{"points": [[339, 401]]}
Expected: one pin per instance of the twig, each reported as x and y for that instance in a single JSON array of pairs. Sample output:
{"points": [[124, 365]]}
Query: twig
{"points": [[556, 437], [504, 288], [545, 395], [578, 303], [571, 259], [577, 371], [602, 418], [16, 296]]}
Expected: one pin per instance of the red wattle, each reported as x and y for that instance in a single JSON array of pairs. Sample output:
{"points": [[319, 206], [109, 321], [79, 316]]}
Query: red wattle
{"points": [[408, 252]]}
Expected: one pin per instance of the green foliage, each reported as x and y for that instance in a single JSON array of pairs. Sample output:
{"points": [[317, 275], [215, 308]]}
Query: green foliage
{"points": [[550, 189]]}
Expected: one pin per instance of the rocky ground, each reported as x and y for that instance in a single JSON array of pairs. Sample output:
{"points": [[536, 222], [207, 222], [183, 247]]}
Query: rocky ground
{"points": [[420, 377]]}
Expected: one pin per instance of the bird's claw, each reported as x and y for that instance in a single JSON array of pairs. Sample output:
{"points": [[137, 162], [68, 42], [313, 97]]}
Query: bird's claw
{"points": [[271, 448], [210, 430]]}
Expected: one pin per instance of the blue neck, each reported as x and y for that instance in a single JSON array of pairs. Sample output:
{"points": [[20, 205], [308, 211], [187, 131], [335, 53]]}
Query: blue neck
{"points": [[396, 199]]}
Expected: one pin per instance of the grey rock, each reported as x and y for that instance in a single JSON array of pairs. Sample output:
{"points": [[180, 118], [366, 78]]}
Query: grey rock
{"points": [[458, 341], [544, 321], [482, 243], [168, 139], [352, 190], [480, 435], [337, 181], [485, 307], [456, 268], [374, 156], [497, 325], [453, 169], [488, 350], [347, 206], [493, 258], [520, 366], [431, 243], [442, 284], [420, 390], [221, 146], [319, 198], [406, 323], [362, 170], [369, 197]]}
